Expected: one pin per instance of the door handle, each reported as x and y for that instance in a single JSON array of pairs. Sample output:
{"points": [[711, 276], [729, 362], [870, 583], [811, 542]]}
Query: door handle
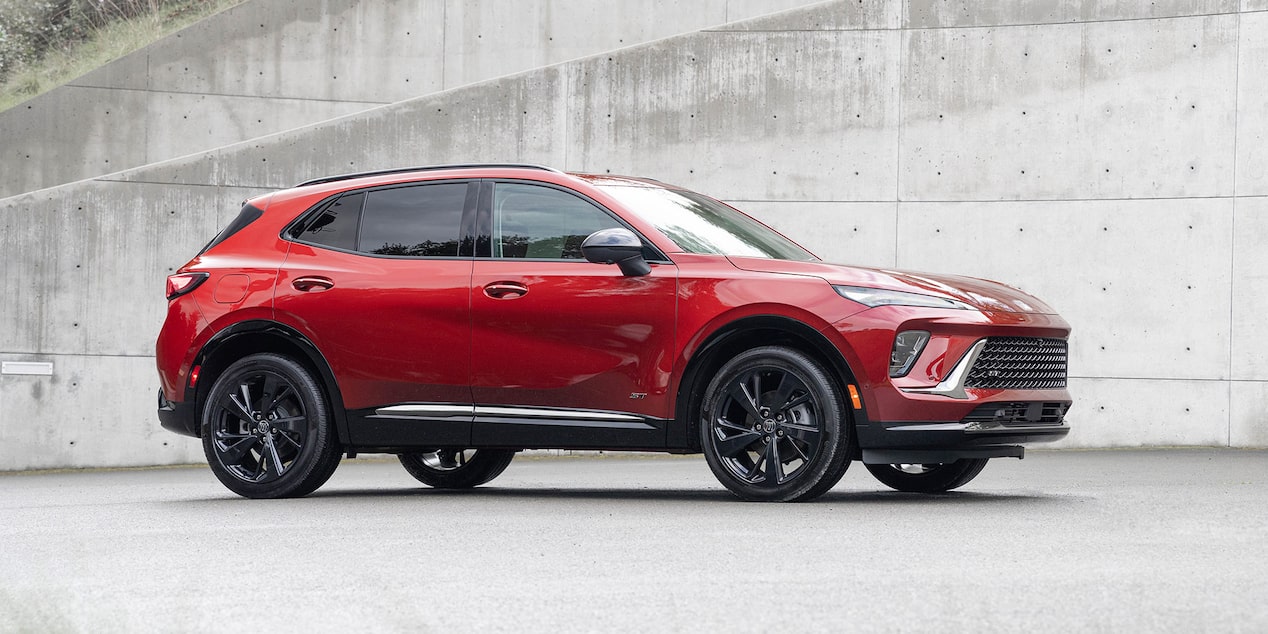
{"points": [[313, 283], [505, 290]]}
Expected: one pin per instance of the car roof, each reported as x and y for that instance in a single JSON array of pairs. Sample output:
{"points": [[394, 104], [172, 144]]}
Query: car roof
{"points": [[334, 184], [424, 168]]}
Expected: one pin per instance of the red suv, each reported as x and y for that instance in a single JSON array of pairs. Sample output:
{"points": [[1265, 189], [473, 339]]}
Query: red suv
{"points": [[455, 315]]}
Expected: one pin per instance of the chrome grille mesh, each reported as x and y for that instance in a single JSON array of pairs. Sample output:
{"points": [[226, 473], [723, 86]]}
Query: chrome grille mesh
{"points": [[1019, 363]]}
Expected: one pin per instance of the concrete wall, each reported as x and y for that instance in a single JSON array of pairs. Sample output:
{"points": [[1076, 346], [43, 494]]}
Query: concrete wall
{"points": [[266, 66], [1106, 156]]}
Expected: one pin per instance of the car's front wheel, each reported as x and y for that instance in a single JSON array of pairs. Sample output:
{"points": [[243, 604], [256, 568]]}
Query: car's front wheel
{"points": [[774, 426], [456, 468], [927, 478], [266, 429]]}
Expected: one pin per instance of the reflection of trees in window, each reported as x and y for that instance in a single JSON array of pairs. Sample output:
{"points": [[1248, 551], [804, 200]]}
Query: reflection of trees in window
{"points": [[514, 246], [572, 247], [567, 247], [429, 248]]}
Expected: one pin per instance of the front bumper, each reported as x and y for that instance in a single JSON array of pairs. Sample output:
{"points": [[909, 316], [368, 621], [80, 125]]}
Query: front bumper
{"points": [[942, 410], [177, 417], [934, 442]]}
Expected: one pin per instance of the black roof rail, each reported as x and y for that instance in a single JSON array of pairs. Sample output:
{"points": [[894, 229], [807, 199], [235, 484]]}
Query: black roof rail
{"points": [[424, 168]]}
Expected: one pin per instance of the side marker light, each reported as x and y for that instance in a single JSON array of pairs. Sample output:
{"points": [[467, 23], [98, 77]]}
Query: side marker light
{"points": [[854, 397], [193, 376]]}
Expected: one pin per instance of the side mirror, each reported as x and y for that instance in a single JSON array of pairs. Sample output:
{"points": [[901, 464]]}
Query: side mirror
{"points": [[616, 246]]}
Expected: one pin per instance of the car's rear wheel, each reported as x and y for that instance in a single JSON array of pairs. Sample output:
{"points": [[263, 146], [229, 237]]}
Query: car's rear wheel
{"points": [[928, 478], [456, 468], [266, 429], [774, 426]]}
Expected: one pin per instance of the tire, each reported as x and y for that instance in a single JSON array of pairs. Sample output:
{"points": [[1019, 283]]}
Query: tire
{"points": [[774, 426], [456, 468], [927, 478], [266, 429]]}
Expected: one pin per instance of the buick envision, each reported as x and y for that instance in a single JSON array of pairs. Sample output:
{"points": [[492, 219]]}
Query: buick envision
{"points": [[454, 315]]}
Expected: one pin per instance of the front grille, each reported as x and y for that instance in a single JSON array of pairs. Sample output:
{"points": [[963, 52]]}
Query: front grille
{"points": [[1024, 414], [1019, 363]]}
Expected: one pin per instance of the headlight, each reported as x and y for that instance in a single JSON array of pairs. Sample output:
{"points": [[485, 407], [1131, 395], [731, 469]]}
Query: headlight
{"points": [[907, 346], [873, 297]]}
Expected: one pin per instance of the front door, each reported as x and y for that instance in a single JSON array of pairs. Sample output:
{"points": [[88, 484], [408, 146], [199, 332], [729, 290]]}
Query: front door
{"points": [[566, 352]]}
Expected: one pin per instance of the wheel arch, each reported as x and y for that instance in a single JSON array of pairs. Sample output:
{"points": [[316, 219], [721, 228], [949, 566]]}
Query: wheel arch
{"points": [[254, 336], [736, 337]]}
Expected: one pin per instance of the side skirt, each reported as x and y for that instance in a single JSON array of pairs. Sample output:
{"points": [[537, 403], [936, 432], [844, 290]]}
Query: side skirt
{"points": [[410, 426]]}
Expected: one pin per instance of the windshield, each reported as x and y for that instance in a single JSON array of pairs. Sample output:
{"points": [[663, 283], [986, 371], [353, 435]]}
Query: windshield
{"points": [[699, 224]]}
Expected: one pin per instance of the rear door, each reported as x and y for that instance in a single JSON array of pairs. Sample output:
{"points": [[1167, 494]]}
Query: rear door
{"points": [[379, 281], [565, 352]]}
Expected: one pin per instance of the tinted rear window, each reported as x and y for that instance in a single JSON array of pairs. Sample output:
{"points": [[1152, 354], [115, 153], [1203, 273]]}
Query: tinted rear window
{"points": [[419, 221]]}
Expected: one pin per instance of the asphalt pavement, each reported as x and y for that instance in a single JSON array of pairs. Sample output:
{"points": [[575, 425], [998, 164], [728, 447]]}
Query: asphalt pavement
{"points": [[1162, 540]]}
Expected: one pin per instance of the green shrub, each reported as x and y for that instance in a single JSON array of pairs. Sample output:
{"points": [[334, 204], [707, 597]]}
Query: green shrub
{"points": [[31, 28]]}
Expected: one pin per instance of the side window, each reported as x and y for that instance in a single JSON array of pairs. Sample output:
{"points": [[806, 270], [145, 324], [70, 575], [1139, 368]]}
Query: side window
{"points": [[419, 221], [530, 221], [336, 226]]}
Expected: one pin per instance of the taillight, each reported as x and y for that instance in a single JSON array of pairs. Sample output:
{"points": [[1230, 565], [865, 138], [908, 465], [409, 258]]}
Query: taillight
{"points": [[182, 283]]}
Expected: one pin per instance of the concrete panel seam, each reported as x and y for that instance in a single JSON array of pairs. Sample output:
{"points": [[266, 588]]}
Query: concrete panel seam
{"points": [[145, 149], [1232, 228], [807, 200], [136, 182], [718, 29], [1072, 22], [368, 104], [1075, 200], [989, 200], [1228, 412], [444, 44], [898, 142], [568, 87]]}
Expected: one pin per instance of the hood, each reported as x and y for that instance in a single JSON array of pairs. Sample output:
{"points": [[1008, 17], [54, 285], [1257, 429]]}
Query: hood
{"points": [[981, 294]]}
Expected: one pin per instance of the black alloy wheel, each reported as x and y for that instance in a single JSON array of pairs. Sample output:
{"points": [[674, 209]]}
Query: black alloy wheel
{"points": [[266, 430], [448, 468], [927, 478], [774, 426]]}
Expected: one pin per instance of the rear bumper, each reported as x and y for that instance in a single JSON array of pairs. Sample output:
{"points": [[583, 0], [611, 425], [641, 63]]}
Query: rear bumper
{"points": [[177, 417], [930, 442]]}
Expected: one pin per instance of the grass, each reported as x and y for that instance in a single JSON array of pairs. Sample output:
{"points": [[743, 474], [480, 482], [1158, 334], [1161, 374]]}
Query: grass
{"points": [[103, 45]]}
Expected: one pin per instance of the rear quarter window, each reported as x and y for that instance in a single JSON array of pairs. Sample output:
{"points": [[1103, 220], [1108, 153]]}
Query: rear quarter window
{"points": [[336, 225], [248, 215]]}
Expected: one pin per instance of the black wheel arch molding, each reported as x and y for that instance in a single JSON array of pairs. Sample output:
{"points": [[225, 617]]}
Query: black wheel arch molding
{"points": [[261, 335], [733, 338]]}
